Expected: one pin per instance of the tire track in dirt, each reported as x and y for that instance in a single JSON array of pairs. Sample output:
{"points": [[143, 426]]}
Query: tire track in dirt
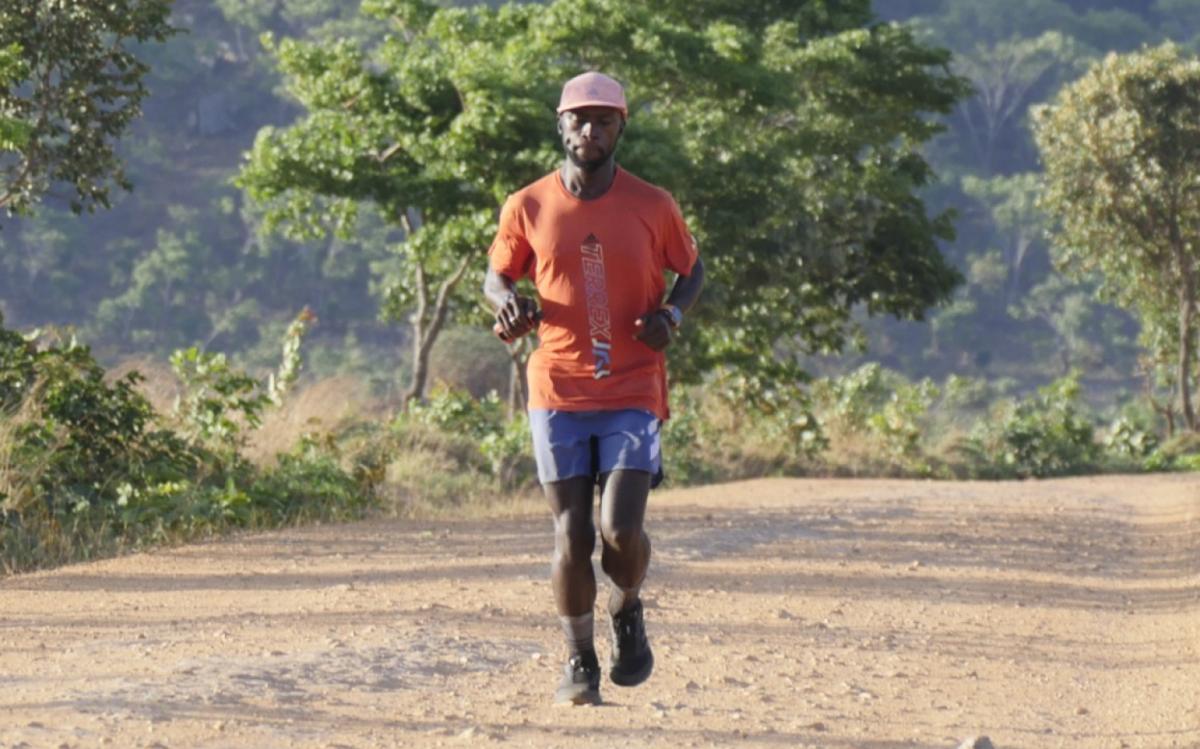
{"points": [[797, 613]]}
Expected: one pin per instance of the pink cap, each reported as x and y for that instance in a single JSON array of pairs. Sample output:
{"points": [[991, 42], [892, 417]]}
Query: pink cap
{"points": [[593, 90]]}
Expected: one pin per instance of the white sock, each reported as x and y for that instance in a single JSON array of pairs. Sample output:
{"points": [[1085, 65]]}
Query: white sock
{"points": [[622, 598], [580, 631]]}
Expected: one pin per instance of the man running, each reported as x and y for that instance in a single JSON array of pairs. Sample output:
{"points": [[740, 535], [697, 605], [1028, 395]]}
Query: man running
{"points": [[595, 240]]}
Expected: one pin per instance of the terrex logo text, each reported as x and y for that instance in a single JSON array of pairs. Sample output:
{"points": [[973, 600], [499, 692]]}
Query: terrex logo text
{"points": [[599, 320]]}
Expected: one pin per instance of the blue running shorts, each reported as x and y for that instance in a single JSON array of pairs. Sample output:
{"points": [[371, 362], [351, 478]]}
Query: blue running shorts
{"points": [[591, 443]]}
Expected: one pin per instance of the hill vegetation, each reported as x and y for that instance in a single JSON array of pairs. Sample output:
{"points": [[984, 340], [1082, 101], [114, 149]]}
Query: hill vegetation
{"points": [[245, 292]]}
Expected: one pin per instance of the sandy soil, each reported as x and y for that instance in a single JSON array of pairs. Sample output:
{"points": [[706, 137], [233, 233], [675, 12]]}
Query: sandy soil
{"points": [[865, 614]]}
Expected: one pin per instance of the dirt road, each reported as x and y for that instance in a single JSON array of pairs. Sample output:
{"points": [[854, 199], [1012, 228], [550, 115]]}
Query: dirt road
{"points": [[865, 614]]}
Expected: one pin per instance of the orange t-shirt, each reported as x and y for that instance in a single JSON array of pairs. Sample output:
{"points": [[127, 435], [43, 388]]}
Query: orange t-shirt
{"points": [[598, 267]]}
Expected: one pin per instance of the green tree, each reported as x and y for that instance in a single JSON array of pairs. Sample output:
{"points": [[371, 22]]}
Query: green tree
{"points": [[164, 304], [70, 86], [1015, 54], [1121, 148], [404, 140], [1006, 75], [790, 134], [1069, 310], [234, 287], [326, 19], [14, 133], [1011, 206], [73, 87]]}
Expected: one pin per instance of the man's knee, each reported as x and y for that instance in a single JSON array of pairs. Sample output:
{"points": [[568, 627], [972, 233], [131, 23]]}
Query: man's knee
{"points": [[621, 536], [574, 538]]}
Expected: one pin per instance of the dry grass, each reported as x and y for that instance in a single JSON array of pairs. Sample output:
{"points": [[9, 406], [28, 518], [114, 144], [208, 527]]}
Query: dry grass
{"points": [[30, 536], [315, 407], [13, 482], [324, 406], [18, 483], [854, 454], [159, 385], [420, 484]]}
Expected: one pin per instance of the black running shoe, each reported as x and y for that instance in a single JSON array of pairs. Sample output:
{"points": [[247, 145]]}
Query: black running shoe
{"points": [[580, 684], [632, 660]]}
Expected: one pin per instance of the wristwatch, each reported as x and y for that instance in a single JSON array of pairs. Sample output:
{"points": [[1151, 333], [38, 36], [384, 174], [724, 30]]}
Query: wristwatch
{"points": [[674, 315]]}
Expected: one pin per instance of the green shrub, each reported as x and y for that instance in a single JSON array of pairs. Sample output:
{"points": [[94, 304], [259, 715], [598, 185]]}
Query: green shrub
{"points": [[961, 393], [218, 403], [876, 421], [73, 449], [847, 404], [509, 452], [87, 467], [310, 483], [1179, 453], [684, 444], [458, 412], [711, 438], [900, 425], [1047, 435], [1128, 440], [74, 439]]}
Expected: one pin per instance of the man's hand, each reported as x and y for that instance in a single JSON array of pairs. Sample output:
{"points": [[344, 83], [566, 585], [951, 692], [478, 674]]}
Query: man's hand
{"points": [[653, 330], [516, 317]]}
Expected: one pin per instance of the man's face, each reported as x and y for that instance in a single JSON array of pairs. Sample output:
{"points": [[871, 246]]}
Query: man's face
{"points": [[590, 135]]}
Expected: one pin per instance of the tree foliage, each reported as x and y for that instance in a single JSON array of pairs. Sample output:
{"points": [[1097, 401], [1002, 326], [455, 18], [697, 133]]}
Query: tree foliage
{"points": [[1005, 76], [183, 261], [1015, 54], [1121, 148], [82, 436], [71, 87], [790, 135], [1049, 434], [86, 465]]}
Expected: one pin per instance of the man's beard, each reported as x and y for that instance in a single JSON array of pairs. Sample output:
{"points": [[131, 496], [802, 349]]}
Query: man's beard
{"points": [[591, 166]]}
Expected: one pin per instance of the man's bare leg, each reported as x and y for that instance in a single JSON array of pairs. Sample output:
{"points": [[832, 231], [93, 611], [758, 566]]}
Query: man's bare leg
{"points": [[626, 554], [625, 559], [574, 585], [571, 502]]}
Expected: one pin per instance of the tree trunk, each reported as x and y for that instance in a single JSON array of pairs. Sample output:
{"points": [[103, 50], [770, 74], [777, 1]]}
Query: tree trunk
{"points": [[416, 384], [1164, 410], [420, 373], [1020, 250], [1186, 313], [427, 324], [1185, 266]]}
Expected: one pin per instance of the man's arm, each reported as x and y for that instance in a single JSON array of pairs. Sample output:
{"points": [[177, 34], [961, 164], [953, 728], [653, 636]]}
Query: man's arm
{"points": [[654, 328], [515, 314], [687, 288]]}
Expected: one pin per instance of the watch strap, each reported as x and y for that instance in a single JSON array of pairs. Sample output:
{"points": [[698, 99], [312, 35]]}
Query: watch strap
{"points": [[674, 315]]}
